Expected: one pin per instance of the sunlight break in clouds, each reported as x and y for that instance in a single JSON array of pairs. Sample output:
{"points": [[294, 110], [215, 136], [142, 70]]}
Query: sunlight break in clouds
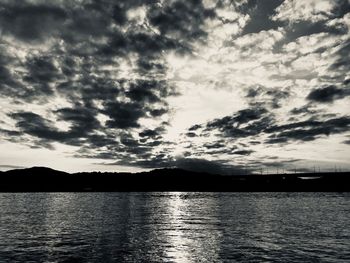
{"points": [[134, 85]]}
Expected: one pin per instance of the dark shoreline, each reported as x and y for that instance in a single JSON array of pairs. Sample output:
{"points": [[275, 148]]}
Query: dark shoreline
{"points": [[40, 179]]}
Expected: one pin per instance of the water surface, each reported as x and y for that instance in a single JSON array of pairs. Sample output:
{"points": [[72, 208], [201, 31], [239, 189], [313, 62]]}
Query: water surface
{"points": [[174, 227]]}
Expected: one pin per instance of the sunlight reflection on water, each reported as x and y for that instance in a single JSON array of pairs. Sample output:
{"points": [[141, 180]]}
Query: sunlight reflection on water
{"points": [[174, 227]]}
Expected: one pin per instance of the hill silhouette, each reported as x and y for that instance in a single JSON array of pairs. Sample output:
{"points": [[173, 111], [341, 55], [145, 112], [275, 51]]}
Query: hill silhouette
{"points": [[42, 179]]}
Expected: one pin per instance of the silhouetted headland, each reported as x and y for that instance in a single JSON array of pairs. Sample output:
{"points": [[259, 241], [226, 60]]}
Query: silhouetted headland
{"points": [[41, 179]]}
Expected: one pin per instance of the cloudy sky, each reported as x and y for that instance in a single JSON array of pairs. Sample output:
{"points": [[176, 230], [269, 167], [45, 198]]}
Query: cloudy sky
{"points": [[214, 85]]}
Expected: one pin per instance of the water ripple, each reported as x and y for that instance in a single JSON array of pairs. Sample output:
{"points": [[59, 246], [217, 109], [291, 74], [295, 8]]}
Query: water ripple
{"points": [[174, 227]]}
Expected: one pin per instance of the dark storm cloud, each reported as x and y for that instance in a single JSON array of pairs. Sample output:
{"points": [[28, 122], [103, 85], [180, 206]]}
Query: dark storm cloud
{"points": [[148, 90], [194, 127], [10, 133], [82, 124], [191, 134], [149, 133], [342, 8], [30, 22], [89, 87], [158, 112], [152, 134], [232, 126], [342, 64], [96, 141], [142, 41], [242, 116], [256, 122], [123, 115], [8, 85], [245, 123], [266, 96], [40, 70], [148, 65], [307, 130], [75, 50], [82, 119], [123, 147], [179, 23], [243, 152], [44, 131], [181, 19], [33, 124], [328, 94]]}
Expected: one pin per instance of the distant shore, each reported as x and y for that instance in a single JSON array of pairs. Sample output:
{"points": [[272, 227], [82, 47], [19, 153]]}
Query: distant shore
{"points": [[41, 179]]}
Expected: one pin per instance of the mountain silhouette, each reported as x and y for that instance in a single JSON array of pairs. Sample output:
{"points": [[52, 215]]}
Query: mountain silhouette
{"points": [[43, 179]]}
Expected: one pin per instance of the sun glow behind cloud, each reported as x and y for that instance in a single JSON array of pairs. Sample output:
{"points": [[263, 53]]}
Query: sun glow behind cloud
{"points": [[143, 86]]}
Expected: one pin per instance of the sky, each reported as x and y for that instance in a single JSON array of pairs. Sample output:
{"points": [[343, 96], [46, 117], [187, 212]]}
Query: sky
{"points": [[218, 86]]}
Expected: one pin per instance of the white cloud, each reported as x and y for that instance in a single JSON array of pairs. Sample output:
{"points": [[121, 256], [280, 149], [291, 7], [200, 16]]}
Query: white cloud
{"points": [[304, 10]]}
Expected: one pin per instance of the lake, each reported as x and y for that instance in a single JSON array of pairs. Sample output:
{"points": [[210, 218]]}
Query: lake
{"points": [[174, 227]]}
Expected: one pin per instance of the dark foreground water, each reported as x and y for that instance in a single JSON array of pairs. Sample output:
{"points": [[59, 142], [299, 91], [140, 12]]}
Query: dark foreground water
{"points": [[174, 227]]}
